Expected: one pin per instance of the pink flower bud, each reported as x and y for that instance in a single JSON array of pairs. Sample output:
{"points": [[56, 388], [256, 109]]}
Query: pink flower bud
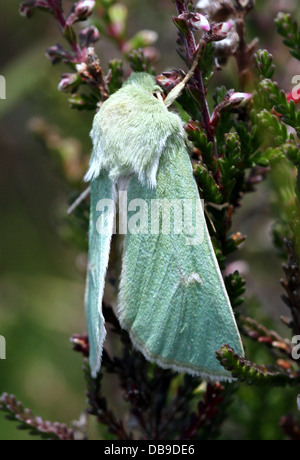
{"points": [[88, 36], [196, 21], [68, 82], [84, 7], [226, 27], [80, 11], [27, 8], [219, 31], [239, 98], [231, 100], [200, 22]]}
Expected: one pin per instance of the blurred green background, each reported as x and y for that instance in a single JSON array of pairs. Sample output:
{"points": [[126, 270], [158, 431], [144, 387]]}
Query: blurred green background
{"points": [[42, 274]]}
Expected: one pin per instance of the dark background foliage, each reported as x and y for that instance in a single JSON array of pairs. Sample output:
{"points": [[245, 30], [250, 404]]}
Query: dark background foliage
{"points": [[42, 271]]}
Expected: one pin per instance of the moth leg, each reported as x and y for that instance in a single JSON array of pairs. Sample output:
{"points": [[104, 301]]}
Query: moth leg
{"points": [[210, 220], [218, 207], [159, 96], [79, 200]]}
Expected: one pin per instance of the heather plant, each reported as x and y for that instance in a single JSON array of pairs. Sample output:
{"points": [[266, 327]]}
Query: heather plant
{"points": [[239, 137]]}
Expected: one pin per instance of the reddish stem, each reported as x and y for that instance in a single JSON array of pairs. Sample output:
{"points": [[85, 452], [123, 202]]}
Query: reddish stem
{"points": [[62, 23], [190, 50], [58, 13]]}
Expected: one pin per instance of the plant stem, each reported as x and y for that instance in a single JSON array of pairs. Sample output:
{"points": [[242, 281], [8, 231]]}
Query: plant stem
{"points": [[58, 13], [191, 50], [67, 31]]}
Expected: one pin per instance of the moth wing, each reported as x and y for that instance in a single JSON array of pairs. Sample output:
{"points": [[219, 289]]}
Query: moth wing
{"points": [[102, 217], [172, 297]]}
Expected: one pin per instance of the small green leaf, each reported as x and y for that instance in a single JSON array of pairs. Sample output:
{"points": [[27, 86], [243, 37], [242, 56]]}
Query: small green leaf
{"points": [[253, 374], [264, 64], [288, 28]]}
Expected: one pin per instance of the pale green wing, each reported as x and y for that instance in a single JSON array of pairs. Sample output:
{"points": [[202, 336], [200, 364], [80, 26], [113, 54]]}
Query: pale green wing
{"points": [[102, 216], [172, 297]]}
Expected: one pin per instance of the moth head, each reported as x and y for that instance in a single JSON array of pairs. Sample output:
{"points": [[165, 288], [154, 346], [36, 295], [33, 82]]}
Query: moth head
{"points": [[131, 131], [145, 82]]}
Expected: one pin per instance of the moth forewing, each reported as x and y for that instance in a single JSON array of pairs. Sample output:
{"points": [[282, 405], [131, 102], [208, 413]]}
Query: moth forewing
{"points": [[103, 195], [172, 297]]}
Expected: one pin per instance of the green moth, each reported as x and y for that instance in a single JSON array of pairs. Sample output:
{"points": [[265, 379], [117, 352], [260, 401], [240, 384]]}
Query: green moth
{"points": [[172, 299]]}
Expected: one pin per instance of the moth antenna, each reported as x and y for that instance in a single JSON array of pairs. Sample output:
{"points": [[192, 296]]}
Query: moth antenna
{"points": [[176, 92], [79, 200]]}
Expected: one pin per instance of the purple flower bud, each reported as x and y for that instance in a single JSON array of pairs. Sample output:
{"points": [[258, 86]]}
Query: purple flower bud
{"points": [[57, 54], [168, 80], [69, 82], [88, 36], [219, 31], [80, 11], [27, 8], [231, 100], [81, 344]]}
